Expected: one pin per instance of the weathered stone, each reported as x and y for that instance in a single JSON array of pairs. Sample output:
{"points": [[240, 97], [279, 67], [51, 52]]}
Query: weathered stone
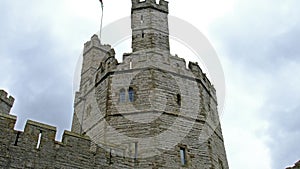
{"points": [[168, 98], [6, 103], [148, 111]]}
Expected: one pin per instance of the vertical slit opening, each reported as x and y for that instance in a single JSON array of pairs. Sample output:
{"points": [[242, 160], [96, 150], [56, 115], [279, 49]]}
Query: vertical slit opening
{"points": [[130, 65], [110, 156], [135, 151], [38, 145], [178, 99], [183, 156], [143, 34], [142, 19], [17, 138]]}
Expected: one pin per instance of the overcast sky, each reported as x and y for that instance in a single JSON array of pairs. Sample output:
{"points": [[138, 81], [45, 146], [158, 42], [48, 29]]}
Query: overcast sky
{"points": [[257, 42]]}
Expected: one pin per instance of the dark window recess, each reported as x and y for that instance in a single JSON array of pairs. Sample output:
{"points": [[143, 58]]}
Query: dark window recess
{"points": [[122, 96], [178, 99], [143, 34], [17, 138], [110, 157], [131, 94]]}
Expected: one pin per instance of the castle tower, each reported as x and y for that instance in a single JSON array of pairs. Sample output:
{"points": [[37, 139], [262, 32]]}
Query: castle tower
{"points": [[94, 53], [148, 111], [149, 25]]}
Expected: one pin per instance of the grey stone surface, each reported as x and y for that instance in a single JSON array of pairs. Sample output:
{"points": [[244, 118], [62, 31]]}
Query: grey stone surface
{"points": [[157, 78], [173, 108]]}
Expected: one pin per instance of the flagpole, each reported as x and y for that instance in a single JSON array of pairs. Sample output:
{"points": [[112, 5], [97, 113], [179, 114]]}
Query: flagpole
{"points": [[100, 33]]}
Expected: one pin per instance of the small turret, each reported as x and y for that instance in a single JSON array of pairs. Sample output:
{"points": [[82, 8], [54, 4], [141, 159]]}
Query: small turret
{"points": [[6, 102]]}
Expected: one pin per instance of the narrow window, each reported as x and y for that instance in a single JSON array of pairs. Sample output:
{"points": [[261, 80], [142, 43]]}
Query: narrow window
{"points": [[135, 151], [142, 19], [130, 65], [183, 156], [17, 138], [143, 34], [178, 99], [110, 156], [122, 96], [39, 140], [131, 94]]}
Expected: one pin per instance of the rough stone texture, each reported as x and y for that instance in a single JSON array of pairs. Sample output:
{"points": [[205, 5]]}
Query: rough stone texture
{"points": [[6, 103], [173, 108], [150, 28], [19, 149], [296, 166], [156, 78]]}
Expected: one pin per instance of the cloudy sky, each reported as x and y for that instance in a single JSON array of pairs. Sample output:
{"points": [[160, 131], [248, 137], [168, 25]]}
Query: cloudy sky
{"points": [[257, 42]]}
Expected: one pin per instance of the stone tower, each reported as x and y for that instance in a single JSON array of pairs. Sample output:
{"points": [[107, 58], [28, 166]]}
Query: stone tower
{"points": [[149, 25], [148, 111]]}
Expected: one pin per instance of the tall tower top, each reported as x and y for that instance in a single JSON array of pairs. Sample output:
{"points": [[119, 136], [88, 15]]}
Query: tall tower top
{"points": [[140, 4], [149, 24]]}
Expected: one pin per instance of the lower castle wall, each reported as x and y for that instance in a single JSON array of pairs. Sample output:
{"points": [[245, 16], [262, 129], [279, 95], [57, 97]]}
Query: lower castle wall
{"points": [[19, 150]]}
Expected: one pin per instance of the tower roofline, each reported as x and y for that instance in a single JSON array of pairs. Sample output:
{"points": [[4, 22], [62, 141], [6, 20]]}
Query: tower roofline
{"points": [[161, 6]]}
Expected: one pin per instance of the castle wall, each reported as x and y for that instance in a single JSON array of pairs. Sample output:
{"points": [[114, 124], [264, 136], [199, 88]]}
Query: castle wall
{"points": [[19, 149]]}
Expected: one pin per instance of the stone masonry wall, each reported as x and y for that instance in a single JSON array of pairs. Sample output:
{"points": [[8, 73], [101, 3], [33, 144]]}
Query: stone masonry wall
{"points": [[173, 107], [19, 149], [149, 25]]}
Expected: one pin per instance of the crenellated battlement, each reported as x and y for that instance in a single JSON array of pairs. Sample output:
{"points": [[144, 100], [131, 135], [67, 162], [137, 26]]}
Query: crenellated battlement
{"points": [[140, 4], [95, 43], [36, 147], [198, 73], [6, 102]]}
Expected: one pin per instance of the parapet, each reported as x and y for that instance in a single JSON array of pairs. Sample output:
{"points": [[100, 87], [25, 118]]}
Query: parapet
{"points": [[162, 6], [6, 102]]}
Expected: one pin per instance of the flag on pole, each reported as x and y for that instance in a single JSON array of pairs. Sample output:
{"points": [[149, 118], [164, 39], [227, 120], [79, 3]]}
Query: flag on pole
{"points": [[101, 3]]}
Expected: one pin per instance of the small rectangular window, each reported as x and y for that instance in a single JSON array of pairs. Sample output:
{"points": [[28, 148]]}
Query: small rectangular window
{"points": [[183, 156], [142, 19], [131, 94]]}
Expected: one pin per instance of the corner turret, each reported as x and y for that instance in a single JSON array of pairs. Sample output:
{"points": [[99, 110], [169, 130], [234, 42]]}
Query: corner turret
{"points": [[6, 102]]}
